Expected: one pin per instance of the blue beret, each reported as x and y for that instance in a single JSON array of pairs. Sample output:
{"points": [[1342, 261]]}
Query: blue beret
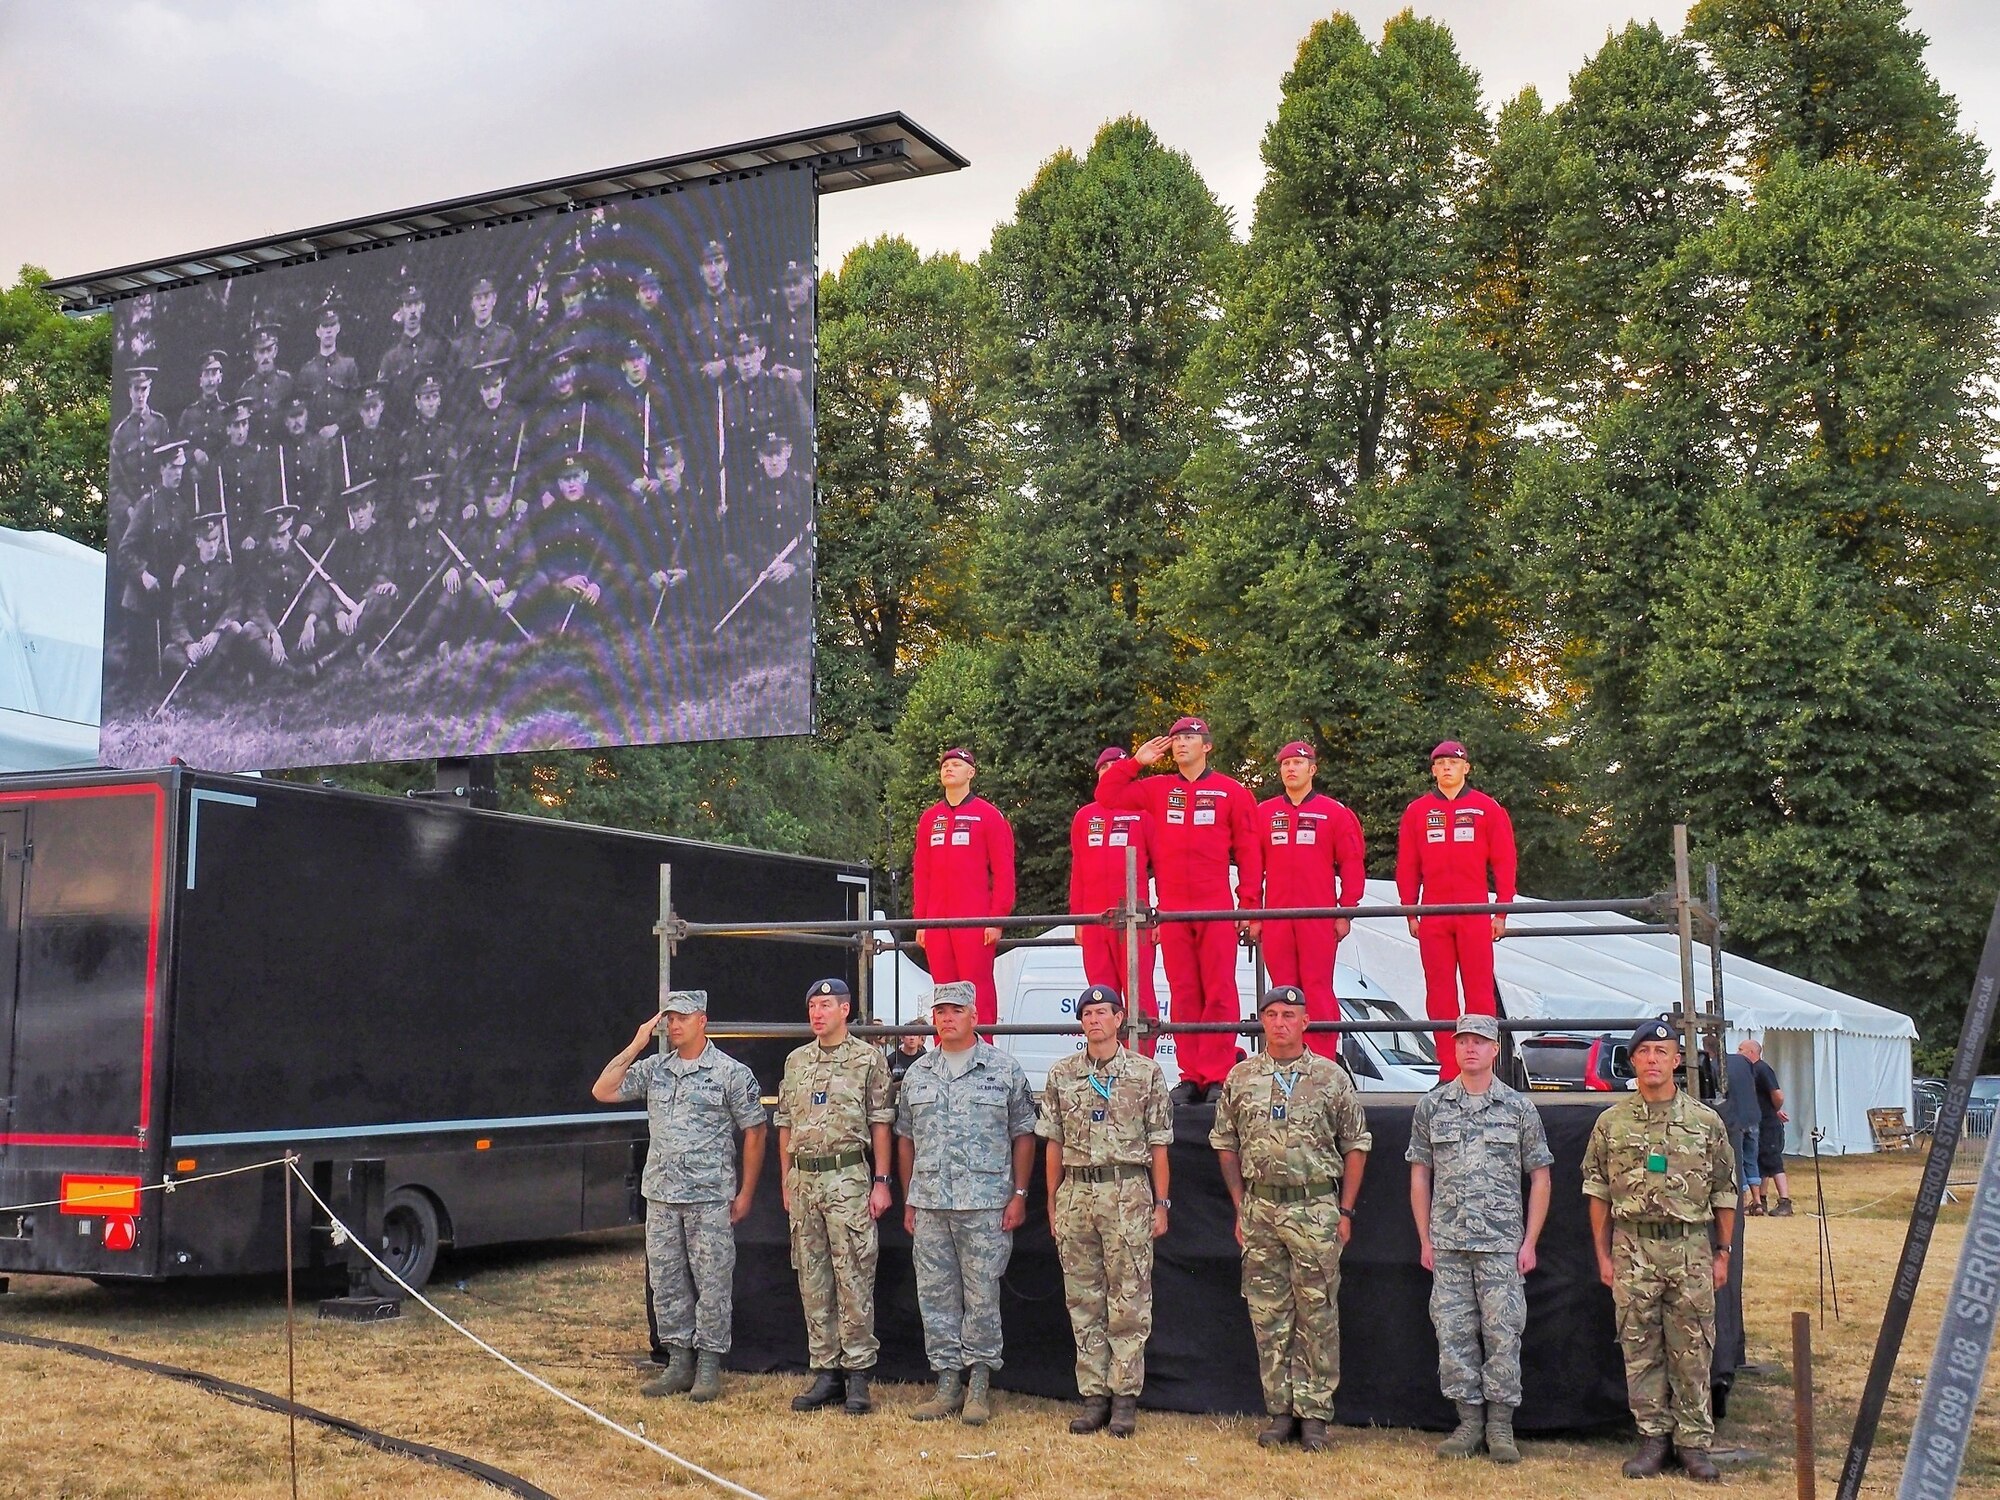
{"points": [[1659, 1029], [1099, 994]]}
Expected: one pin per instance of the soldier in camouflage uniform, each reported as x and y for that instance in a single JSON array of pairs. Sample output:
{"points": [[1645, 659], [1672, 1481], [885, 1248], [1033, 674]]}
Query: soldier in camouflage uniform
{"points": [[1658, 1171], [1292, 1143], [696, 1097], [1471, 1142], [966, 1123], [833, 1113], [1108, 1124]]}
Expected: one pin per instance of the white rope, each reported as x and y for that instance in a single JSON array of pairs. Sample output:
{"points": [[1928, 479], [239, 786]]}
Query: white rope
{"points": [[165, 1185], [527, 1374]]}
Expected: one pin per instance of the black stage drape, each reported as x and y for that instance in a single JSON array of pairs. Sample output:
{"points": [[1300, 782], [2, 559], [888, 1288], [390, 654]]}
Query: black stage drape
{"points": [[1200, 1357]]}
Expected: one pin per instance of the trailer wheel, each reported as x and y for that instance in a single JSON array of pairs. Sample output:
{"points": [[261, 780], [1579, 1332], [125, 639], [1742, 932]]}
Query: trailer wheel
{"points": [[409, 1240]]}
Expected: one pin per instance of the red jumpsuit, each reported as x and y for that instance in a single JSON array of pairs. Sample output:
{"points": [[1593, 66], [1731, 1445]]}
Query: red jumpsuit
{"points": [[1098, 839], [1443, 850], [964, 867], [1305, 848], [1198, 826]]}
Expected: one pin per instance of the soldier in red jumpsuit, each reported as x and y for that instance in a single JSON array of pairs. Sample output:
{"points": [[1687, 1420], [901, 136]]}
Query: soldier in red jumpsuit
{"points": [[963, 867], [1448, 840], [1312, 844], [1201, 821], [1098, 839]]}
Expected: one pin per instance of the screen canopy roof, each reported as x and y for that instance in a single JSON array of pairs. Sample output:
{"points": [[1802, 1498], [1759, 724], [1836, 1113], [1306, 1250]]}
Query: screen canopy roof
{"points": [[856, 153]]}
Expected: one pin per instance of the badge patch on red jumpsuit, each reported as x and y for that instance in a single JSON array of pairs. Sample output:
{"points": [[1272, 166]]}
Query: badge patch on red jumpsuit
{"points": [[1177, 806], [1279, 830]]}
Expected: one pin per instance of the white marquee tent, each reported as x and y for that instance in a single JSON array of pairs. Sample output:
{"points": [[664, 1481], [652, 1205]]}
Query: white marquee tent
{"points": [[1836, 1056], [51, 651]]}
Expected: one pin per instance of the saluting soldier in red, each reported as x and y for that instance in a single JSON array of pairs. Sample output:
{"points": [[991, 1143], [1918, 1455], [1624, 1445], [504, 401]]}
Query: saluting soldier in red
{"points": [[1448, 840], [1312, 857], [1201, 821], [1098, 839], [963, 867]]}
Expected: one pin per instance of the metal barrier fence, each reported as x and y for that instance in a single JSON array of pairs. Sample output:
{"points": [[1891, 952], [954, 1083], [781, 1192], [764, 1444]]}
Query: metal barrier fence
{"points": [[1676, 911]]}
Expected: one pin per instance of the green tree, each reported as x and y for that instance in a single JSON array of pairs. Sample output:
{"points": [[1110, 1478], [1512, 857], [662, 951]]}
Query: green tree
{"points": [[1344, 579], [905, 446], [1098, 291], [55, 414]]}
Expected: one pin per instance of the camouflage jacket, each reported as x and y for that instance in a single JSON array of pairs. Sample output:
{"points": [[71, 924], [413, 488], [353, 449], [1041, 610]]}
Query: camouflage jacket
{"points": [[694, 1107], [831, 1097], [1669, 1161], [1096, 1131], [1292, 1139], [1478, 1147], [964, 1128]]}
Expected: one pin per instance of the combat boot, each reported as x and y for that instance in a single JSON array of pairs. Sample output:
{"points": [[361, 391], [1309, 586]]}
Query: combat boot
{"points": [[824, 1391], [1279, 1431], [1783, 1210], [1312, 1434], [1468, 1434], [859, 1403], [676, 1378], [1500, 1446], [945, 1400], [1700, 1467], [1124, 1416], [1096, 1416], [978, 1408], [707, 1377], [1649, 1460]]}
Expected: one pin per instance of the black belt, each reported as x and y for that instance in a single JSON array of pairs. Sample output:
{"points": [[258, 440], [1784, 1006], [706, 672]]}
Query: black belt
{"points": [[1104, 1174], [1664, 1229], [1272, 1192], [853, 1156]]}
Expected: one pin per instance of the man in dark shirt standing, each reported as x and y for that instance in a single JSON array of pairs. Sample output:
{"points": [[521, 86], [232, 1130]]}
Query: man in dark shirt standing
{"points": [[1770, 1135]]}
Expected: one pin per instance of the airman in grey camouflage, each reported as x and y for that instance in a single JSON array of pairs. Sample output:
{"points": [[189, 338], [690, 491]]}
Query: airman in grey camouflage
{"points": [[833, 1110], [1108, 1124], [1658, 1172], [1292, 1143], [1471, 1142], [966, 1126], [697, 1098]]}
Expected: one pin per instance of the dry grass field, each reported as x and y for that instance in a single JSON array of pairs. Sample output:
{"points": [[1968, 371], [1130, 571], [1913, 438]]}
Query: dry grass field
{"points": [[72, 1428]]}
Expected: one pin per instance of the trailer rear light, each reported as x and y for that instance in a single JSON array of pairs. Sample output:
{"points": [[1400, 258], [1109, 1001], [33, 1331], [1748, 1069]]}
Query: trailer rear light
{"points": [[185, 1164], [120, 1233], [99, 1195], [482, 1145]]}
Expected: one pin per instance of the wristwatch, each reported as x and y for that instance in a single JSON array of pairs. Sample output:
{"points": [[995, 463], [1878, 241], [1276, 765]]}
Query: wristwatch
{"points": [[1163, 1203], [1020, 1192], [1347, 1213], [883, 1178]]}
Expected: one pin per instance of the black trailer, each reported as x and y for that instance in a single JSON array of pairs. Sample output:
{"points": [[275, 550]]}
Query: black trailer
{"points": [[199, 972]]}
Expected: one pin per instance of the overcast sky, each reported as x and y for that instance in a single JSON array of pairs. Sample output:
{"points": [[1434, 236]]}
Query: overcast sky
{"points": [[139, 129]]}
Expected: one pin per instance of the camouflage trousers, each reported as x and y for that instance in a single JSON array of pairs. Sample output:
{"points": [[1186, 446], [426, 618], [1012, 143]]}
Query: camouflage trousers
{"points": [[691, 1258], [1479, 1307], [960, 1256], [1291, 1280], [1664, 1292], [1104, 1237], [834, 1248]]}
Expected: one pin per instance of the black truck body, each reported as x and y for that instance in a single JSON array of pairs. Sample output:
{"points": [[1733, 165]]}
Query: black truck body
{"points": [[200, 972]]}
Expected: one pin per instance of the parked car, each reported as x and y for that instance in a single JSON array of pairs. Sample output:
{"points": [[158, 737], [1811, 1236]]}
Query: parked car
{"points": [[1555, 1060], [1983, 1103]]}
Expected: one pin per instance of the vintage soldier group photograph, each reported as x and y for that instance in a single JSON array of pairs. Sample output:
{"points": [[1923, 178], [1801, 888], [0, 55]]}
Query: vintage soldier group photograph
{"points": [[541, 485]]}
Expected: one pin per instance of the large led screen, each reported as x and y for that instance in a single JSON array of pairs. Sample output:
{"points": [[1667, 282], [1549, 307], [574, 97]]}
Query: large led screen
{"points": [[533, 485]]}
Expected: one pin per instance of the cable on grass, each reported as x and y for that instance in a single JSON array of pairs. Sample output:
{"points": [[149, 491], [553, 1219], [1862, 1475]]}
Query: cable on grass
{"points": [[563, 1396], [249, 1395]]}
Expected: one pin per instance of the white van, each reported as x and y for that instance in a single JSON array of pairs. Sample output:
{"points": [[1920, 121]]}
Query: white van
{"points": [[1039, 986]]}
